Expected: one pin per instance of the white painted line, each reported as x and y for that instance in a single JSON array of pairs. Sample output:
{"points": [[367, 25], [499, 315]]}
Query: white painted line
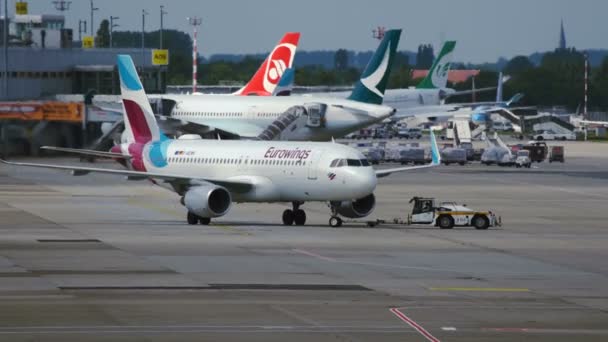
{"points": [[414, 325], [448, 328], [314, 255], [362, 263]]}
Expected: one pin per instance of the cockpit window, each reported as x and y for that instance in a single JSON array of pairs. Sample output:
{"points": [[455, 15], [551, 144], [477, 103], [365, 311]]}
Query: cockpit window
{"points": [[353, 162], [341, 162], [364, 162], [334, 163]]}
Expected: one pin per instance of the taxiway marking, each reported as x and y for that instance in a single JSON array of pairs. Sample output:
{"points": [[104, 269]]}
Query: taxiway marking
{"points": [[479, 289], [414, 325]]}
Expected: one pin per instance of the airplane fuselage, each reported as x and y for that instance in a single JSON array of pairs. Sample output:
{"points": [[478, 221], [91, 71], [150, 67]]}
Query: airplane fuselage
{"points": [[279, 171], [324, 117]]}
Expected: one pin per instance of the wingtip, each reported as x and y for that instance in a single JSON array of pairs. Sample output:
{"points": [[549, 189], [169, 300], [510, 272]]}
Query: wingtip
{"points": [[435, 155]]}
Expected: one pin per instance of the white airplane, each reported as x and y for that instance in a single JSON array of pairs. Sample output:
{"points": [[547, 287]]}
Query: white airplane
{"points": [[268, 118], [210, 175]]}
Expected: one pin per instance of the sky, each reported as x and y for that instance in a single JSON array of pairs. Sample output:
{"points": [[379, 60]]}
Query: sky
{"points": [[485, 29]]}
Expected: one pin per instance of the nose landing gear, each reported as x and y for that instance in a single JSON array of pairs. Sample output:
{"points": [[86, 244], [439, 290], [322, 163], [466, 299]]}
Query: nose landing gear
{"points": [[334, 221], [297, 215]]}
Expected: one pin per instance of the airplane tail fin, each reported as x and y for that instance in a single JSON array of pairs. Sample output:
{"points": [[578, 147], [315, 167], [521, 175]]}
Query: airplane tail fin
{"points": [[437, 78], [370, 88], [265, 80], [285, 85], [499, 88], [516, 98], [140, 123]]}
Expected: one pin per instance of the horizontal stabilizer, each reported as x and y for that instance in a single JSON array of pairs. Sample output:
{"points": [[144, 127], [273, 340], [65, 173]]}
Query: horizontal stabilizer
{"points": [[435, 161], [91, 153]]}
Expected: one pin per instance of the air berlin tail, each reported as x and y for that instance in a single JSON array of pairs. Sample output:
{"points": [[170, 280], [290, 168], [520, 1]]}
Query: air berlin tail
{"points": [[267, 77]]}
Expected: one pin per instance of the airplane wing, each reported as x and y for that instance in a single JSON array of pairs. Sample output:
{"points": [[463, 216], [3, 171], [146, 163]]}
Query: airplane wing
{"points": [[92, 153], [234, 186], [233, 127], [435, 155], [469, 92]]}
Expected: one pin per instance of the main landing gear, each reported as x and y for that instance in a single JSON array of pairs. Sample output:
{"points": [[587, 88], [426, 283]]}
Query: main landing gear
{"points": [[297, 215], [194, 219], [334, 221]]}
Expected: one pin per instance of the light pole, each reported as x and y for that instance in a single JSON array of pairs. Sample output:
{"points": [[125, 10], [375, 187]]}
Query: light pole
{"points": [[112, 26], [6, 75], [162, 14], [82, 28], [93, 9], [143, 35], [195, 22]]}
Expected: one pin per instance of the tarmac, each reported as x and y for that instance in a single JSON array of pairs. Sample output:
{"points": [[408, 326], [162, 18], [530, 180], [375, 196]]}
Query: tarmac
{"points": [[100, 258]]}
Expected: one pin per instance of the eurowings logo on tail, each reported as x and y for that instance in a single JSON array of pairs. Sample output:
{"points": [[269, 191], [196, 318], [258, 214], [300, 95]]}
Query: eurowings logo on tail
{"points": [[267, 77], [372, 81]]}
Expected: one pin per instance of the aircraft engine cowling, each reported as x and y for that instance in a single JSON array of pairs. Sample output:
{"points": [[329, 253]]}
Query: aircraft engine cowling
{"points": [[208, 201], [358, 208]]}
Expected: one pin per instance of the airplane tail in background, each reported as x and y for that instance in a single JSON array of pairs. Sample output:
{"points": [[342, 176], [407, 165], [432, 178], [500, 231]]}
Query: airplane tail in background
{"points": [[437, 78], [265, 80], [499, 88], [285, 85], [370, 88], [140, 123]]}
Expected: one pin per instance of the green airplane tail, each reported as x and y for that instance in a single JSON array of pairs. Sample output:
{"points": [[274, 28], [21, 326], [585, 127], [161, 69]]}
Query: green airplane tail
{"points": [[370, 88], [437, 78]]}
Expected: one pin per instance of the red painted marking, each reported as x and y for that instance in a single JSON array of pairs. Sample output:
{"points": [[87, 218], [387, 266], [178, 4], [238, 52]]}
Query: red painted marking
{"points": [[414, 325], [137, 120], [282, 55]]}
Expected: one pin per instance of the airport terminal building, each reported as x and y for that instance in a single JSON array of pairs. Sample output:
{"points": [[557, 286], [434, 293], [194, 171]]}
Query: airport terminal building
{"points": [[43, 60]]}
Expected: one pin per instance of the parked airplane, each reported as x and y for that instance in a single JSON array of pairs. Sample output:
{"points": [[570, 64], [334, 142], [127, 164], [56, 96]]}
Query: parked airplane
{"points": [[317, 118], [210, 175], [266, 79], [431, 90]]}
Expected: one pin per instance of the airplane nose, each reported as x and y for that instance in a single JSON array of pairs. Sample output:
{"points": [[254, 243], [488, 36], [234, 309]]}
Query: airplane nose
{"points": [[366, 181]]}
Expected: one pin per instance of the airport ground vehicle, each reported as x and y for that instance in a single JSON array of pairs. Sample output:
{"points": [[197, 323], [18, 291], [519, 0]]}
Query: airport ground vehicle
{"points": [[522, 159], [468, 147], [502, 126], [548, 134], [453, 155], [446, 215], [538, 150], [414, 155], [374, 156], [409, 133], [556, 154]]}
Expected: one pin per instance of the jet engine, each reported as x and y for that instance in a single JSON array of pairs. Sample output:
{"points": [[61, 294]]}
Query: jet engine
{"points": [[207, 201], [358, 208]]}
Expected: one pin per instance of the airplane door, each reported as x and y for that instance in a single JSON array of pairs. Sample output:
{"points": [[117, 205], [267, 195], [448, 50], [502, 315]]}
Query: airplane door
{"points": [[313, 165], [243, 164], [250, 114]]}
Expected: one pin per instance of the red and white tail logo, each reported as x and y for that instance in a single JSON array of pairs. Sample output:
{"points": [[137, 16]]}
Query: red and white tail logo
{"points": [[268, 75]]}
